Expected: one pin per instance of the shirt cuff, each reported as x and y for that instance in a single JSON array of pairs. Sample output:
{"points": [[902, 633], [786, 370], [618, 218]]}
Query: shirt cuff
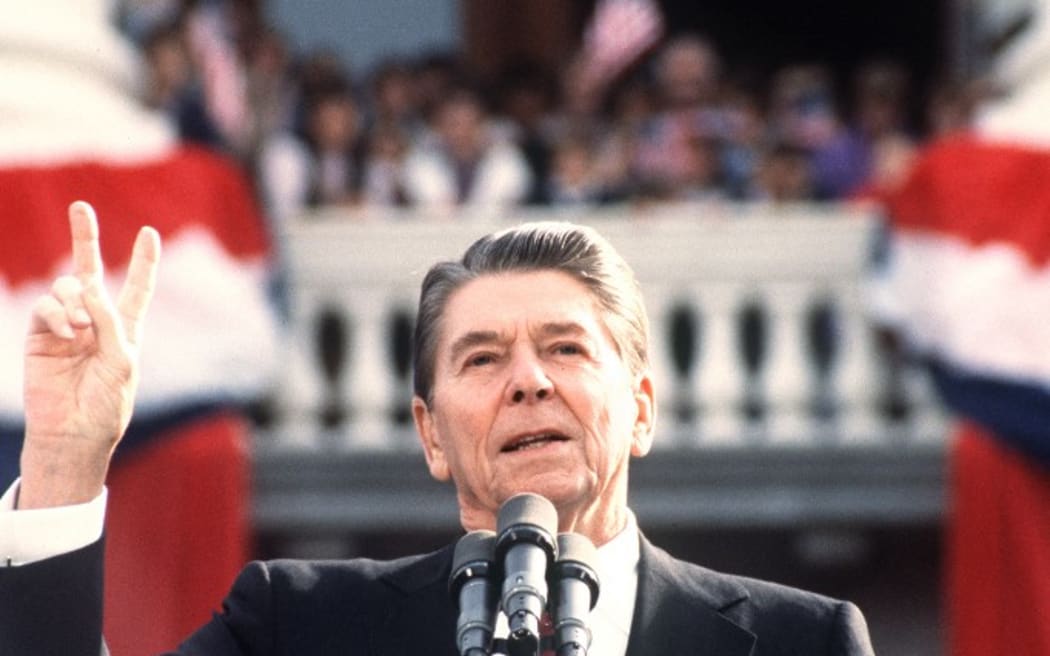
{"points": [[27, 536]]}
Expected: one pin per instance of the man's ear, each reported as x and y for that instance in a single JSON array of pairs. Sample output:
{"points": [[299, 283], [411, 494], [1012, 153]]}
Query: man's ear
{"points": [[645, 421], [431, 439]]}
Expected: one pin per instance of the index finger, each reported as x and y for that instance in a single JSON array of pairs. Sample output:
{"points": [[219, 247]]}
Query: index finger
{"points": [[83, 227]]}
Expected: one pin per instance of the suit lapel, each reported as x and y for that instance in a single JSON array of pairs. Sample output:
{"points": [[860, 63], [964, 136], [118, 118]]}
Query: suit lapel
{"points": [[417, 615], [679, 611]]}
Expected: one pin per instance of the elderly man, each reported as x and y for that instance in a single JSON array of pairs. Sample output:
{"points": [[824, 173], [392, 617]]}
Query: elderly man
{"points": [[531, 376]]}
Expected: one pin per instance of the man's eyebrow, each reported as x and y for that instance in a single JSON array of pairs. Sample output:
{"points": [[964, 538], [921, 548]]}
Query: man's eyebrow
{"points": [[470, 340], [561, 328]]}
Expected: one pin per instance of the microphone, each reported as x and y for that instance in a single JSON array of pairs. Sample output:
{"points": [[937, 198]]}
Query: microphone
{"points": [[575, 591], [525, 545], [471, 586]]}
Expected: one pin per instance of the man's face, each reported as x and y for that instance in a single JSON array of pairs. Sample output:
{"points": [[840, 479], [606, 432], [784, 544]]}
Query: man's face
{"points": [[688, 74], [461, 126], [531, 395]]}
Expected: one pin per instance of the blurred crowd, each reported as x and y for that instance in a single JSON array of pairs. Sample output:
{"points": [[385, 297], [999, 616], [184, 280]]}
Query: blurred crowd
{"points": [[423, 131]]}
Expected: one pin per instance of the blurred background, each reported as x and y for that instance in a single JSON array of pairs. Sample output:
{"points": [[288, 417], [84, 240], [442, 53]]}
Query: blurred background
{"points": [[739, 153]]}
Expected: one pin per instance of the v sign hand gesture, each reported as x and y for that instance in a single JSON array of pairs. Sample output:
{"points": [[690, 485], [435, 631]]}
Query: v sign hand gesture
{"points": [[81, 369]]}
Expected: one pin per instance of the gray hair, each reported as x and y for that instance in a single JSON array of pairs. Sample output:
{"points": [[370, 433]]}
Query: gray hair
{"points": [[546, 245]]}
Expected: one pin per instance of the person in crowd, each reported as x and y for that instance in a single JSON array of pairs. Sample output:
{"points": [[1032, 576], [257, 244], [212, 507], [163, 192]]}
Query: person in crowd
{"points": [[465, 163], [745, 140], [574, 179], [531, 374], [173, 87], [322, 168], [383, 184], [334, 140], [688, 77], [435, 74], [804, 117], [632, 104], [394, 99], [316, 73], [271, 88], [702, 177], [784, 175], [950, 109], [848, 162], [524, 99], [576, 111], [803, 110]]}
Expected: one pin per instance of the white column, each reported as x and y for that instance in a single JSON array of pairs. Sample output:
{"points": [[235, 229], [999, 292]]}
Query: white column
{"points": [[787, 377], [670, 388], [929, 418], [857, 379], [369, 379], [719, 373], [301, 392]]}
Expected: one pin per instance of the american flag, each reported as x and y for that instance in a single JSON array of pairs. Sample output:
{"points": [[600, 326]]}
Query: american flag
{"points": [[222, 74], [619, 32]]}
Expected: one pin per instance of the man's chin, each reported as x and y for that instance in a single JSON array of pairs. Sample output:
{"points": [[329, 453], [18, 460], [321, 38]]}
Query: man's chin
{"points": [[562, 491]]}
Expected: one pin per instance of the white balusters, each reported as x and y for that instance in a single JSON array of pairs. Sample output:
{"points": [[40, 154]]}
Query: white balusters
{"points": [[364, 273], [857, 380], [720, 376], [787, 376], [927, 418], [301, 390], [665, 379], [370, 378]]}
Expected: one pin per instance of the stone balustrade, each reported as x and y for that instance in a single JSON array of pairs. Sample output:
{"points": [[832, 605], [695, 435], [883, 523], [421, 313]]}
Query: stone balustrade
{"points": [[771, 379]]}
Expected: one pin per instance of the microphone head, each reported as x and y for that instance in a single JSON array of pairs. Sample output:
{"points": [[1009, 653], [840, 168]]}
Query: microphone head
{"points": [[472, 558], [529, 517], [578, 559], [577, 548]]}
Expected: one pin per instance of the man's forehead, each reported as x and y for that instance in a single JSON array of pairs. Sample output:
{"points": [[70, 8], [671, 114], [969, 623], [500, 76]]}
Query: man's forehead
{"points": [[545, 302], [535, 290]]}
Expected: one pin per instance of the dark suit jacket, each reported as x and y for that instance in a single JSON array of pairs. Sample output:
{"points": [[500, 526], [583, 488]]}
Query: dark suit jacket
{"points": [[402, 607]]}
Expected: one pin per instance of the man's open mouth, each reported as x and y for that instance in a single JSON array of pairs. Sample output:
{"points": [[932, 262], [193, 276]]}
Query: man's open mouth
{"points": [[532, 442]]}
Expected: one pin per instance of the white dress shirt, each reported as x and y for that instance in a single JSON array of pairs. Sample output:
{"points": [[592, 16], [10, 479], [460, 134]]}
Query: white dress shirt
{"points": [[618, 577], [27, 536]]}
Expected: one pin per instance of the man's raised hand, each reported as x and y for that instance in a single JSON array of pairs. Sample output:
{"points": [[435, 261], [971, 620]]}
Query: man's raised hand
{"points": [[81, 368]]}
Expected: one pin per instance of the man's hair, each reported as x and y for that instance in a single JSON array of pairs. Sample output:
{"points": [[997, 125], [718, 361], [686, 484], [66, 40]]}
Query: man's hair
{"points": [[539, 246]]}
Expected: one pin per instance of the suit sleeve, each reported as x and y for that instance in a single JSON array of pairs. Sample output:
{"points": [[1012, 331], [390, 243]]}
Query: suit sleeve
{"points": [[849, 635], [53, 607]]}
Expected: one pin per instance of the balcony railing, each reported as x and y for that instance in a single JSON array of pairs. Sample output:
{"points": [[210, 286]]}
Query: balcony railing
{"points": [[778, 402]]}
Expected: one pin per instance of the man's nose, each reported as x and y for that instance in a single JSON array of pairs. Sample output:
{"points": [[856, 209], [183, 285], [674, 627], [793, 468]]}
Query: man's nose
{"points": [[529, 382]]}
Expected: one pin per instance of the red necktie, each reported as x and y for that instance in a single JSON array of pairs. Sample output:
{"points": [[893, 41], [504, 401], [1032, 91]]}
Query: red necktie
{"points": [[546, 635]]}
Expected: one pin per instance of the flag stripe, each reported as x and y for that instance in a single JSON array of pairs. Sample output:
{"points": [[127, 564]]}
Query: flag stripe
{"points": [[948, 194], [619, 32], [1017, 411]]}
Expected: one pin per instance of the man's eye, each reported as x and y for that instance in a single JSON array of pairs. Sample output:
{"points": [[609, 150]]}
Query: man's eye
{"points": [[480, 360], [568, 349]]}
